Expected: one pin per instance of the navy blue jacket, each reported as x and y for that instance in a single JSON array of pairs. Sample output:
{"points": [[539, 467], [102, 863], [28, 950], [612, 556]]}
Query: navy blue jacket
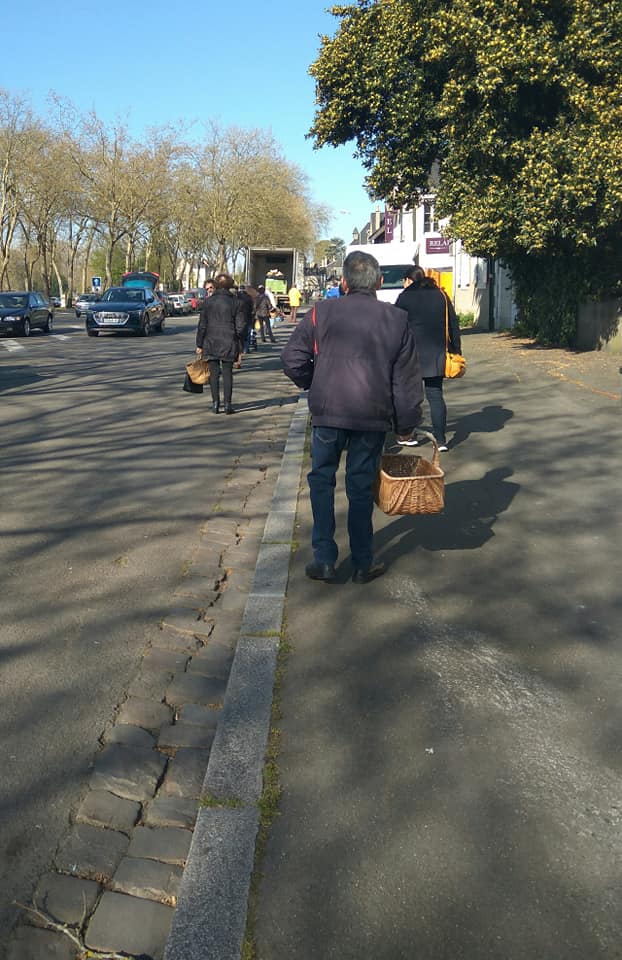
{"points": [[359, 363]]}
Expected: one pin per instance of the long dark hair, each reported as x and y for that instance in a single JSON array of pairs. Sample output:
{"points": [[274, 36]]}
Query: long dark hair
{"points": [[418, 277]]}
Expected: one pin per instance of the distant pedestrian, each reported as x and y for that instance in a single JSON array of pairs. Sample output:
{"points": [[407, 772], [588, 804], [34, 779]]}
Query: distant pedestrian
{"points": [[358, 358], [247, 305], [295, 299], [263, 307], [219, 338], [425, 303], [333, 290]]}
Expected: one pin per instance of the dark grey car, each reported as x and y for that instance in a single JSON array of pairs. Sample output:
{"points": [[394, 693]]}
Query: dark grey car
{"points": [[137, 309], [22, 311]]}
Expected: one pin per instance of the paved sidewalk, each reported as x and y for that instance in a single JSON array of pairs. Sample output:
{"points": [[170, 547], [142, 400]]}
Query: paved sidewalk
{"points": [[450, 741]]}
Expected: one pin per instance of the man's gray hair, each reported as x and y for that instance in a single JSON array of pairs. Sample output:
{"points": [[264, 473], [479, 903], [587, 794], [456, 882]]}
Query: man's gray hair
{"points": [[361, 271]]}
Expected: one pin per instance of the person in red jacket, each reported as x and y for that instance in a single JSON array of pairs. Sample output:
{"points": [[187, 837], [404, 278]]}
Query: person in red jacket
{"points": [[357, 357]]}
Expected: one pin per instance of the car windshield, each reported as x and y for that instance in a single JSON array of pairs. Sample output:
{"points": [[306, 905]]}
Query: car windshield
{"points": [[13, 300], [123, 295]]}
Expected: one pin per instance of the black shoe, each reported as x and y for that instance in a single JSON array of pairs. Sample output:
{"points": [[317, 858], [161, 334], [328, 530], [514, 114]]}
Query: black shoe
{"points": [[321, 571], [216, 406], [370, 573], [229, 408]]}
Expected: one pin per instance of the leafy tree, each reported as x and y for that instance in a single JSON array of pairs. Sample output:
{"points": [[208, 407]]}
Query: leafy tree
{"points": [[519, 104]]}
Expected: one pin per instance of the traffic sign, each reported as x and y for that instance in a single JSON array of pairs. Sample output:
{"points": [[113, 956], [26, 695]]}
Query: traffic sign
{"points": [[96, 282]]}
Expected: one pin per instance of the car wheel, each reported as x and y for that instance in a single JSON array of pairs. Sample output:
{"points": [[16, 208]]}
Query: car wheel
{"points": [[161, 328], [92, 333], [49, 323], [26, 328], [146, 327]]}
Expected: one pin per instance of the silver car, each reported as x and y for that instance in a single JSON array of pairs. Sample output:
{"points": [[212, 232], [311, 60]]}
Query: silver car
{"points": [[83, 302], [178, 303]]}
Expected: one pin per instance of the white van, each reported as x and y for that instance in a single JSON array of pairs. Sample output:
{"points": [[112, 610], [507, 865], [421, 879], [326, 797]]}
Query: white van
{"points": [[394, 259]]}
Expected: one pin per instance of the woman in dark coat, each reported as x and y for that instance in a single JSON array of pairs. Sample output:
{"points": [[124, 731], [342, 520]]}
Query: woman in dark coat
{"points": [[219, 338], [425, 303]]}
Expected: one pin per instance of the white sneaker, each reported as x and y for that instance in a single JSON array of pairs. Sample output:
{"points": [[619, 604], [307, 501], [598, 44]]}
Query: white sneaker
{"points": [[410, 442], [443, 448]]}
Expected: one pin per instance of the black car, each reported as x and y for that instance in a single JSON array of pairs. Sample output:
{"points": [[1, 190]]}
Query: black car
{"points": [[23, 311], [125, 308]]}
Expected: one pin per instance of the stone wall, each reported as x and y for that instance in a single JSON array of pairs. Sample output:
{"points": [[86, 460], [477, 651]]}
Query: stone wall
{"points": [[599, 326]]}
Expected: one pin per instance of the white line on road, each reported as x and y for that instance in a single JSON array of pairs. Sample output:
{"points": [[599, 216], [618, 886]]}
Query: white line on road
{"points": [[59, 336], [11, 345]]}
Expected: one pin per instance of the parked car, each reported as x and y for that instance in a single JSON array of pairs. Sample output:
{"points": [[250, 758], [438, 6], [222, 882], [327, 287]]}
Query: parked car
{"points": [[22, 311], [196, 297], [162, 297], [55, 301], [81, 304], [125, 308], [179, 304]]}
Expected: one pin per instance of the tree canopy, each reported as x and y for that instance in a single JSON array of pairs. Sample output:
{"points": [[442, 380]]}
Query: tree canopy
{"points": [[519, 102], [76, 192]]}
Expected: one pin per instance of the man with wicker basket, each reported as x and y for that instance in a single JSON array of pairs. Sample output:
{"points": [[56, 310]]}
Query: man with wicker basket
{"points": [[357, 357]]}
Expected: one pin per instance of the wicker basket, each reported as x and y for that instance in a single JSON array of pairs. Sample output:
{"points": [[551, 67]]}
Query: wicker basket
{"points": [[410, 484]]}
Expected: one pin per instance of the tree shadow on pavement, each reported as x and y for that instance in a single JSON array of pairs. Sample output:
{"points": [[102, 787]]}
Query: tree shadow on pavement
{"points": [[487, 420]]}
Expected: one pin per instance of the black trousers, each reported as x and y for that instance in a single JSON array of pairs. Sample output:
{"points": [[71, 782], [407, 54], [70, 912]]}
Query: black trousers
{"points": [[227, 379], [438, 409]]}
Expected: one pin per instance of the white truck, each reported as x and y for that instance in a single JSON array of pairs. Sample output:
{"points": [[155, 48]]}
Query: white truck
{"points": [[394, 258], [276, 268]]}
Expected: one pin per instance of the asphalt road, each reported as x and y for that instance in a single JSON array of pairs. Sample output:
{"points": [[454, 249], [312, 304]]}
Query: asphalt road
{"points": [[107, 468]]}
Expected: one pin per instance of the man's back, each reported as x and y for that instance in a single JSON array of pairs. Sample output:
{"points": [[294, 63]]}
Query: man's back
{"points": [[357, 356]]}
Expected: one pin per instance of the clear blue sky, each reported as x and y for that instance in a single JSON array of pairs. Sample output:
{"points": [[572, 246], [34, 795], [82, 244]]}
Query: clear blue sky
{"points": [[149, 64]]}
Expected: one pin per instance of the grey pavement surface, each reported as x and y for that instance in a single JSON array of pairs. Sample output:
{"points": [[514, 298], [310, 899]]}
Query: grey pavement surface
{"points": [[449, 753], [450, 742]]}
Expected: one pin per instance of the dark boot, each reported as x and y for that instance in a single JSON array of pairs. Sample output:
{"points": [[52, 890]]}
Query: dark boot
{"points": [[229, 408], [215, 406]]}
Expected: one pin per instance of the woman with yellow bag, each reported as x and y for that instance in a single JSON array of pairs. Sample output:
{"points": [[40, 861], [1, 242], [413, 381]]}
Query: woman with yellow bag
{"points": [[433, 320]]}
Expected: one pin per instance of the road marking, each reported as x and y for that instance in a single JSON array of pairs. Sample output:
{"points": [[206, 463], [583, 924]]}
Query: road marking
{"points": [[12, 345], [59, 336]]}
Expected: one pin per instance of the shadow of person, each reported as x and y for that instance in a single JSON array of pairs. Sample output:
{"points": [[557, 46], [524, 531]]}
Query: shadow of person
{"points": [[487, 420], [471, 509]]}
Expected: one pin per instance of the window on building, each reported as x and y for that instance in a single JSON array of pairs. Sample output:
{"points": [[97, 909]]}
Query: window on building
{"points": [[430, 223]]}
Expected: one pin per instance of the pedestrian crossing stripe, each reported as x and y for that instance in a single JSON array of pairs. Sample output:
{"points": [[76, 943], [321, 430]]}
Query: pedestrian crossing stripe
{"points": [[12, 345]]}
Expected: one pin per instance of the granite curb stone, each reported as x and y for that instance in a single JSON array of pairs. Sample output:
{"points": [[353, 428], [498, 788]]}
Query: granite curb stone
{"points": [[235, 766], [210, 919]]}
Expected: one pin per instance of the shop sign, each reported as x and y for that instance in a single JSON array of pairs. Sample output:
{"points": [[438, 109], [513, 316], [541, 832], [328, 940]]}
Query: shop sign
{"points": [[437, 245]]}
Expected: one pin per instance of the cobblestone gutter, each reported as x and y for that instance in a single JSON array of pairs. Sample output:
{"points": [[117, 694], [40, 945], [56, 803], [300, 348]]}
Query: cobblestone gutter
{"points": [[144, 861]]}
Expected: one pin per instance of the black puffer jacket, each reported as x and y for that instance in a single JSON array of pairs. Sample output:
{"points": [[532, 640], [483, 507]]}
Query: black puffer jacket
{"points": [[425, 306], [360, 362], [221, 326]]}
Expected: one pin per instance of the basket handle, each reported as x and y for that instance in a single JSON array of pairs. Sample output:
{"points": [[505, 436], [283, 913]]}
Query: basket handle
{"points": [[430, 436]]}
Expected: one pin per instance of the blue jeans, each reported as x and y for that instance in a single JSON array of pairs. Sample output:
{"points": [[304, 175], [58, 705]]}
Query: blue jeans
{"points": [[364, 450]]}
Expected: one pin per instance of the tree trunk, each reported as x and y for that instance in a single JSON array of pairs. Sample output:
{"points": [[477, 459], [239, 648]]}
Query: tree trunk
{"points": [[109, 252], [87, 257], [61, 292]]}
